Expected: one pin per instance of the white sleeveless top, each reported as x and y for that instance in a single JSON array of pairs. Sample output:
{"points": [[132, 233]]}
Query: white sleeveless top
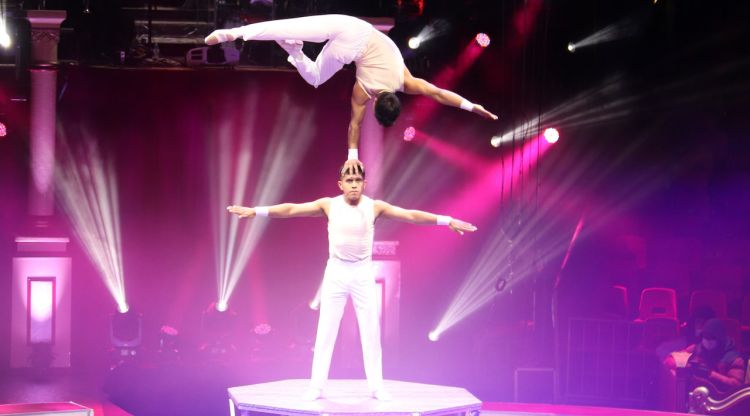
{"points": [[380, 67], [351, 229]]}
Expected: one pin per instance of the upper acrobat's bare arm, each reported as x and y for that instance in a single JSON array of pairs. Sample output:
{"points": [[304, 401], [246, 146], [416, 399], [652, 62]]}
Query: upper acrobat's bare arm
{"points": [[359, 104], [418, 86], [315, 208], [415, 216]]}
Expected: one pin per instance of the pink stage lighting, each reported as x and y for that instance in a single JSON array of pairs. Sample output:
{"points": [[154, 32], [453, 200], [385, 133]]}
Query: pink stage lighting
{"points": [[3, 130], [41, 322], [551, 135], [482, 40], [409, 133]]}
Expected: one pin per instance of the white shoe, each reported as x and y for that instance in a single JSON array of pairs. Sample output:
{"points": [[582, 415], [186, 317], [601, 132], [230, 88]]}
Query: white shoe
{"points": [[382, 395], [311, 394], [219, 36]]}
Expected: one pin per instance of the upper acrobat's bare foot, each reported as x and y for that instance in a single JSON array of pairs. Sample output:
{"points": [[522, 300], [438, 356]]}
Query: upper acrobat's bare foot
{"points": [[219, 36]]}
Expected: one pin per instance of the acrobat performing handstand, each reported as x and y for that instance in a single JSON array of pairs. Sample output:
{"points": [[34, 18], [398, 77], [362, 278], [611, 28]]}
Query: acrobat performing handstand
{"points": [[349, 270], [380, 67]]}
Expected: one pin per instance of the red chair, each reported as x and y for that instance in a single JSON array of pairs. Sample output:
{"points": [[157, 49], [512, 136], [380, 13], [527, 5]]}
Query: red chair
{"points": [[657, 302], [713, 299], [616, 302]]}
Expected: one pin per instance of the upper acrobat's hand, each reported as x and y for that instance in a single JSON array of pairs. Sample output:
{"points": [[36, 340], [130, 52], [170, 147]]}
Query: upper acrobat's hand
{"points": [[353, 167], [478, 109], [219, 36], [461, 226], [242, 212]]}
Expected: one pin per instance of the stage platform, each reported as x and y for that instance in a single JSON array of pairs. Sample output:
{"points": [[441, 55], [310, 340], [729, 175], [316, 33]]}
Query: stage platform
{"points": [[351, 397], [532, 409]]}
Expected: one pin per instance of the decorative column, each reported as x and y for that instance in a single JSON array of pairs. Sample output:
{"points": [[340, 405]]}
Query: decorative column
{"points": [[41, 281], [45, 35]]}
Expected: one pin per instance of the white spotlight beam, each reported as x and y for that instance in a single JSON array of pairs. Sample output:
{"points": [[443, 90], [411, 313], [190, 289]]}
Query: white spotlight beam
{"points": [[87, 190], [230, 169], [495, 257], [5, 40], [623, 29], [290, 141], [432, 30]]}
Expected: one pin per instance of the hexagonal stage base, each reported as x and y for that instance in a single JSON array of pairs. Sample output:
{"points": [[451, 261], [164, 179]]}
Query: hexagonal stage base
{"points": [[351, 397]]}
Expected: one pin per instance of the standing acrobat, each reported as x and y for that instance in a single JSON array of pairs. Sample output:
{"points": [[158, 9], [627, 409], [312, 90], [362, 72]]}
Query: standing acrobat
{"points": [[349, 271]]}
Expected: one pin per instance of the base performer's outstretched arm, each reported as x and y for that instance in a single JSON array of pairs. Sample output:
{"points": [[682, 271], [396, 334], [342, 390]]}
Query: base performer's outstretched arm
{"points": [[418, 86], [421, 217], [316, 208]]}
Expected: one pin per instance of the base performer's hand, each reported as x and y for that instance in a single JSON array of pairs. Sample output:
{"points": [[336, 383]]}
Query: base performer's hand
{"points": [[478, 109], [242, 212], [461, 227]]}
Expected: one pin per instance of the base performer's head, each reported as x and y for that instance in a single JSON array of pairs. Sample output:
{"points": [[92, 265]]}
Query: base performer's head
{"points": [[352, 183], [387, 108]]}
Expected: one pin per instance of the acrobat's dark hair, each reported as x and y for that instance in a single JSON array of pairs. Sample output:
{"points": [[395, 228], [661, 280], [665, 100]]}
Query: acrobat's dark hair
{"points": [[359, 170], [387, 108]]}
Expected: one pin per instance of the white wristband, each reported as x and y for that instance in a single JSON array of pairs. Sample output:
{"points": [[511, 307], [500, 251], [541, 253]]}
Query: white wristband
{"points": [[261, 211], [353, 154], [467, 105], [443, 220]]}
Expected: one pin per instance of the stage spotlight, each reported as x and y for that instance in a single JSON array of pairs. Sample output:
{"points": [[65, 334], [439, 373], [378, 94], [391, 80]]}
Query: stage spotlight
{"points": [[4, 36], [433, 336], [571, 47], [551, 135], [168, 339], [219, 332], [409, 133], [483, 40], [126, 331], [496, 140], [217, 320], [122, 307], [3, 130], [415, 42], [221, 306]]}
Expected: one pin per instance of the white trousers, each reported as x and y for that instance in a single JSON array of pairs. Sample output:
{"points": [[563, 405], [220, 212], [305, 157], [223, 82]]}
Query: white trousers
{"points": [[341, 280], [347, 38]]}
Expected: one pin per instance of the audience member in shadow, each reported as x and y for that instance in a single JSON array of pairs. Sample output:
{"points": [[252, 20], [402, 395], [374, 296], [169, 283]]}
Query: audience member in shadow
{"points": [[715, 361]]}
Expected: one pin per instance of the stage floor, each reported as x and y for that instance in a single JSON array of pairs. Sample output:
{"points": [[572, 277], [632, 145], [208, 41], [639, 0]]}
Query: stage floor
{"points": [[352, 397]]}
